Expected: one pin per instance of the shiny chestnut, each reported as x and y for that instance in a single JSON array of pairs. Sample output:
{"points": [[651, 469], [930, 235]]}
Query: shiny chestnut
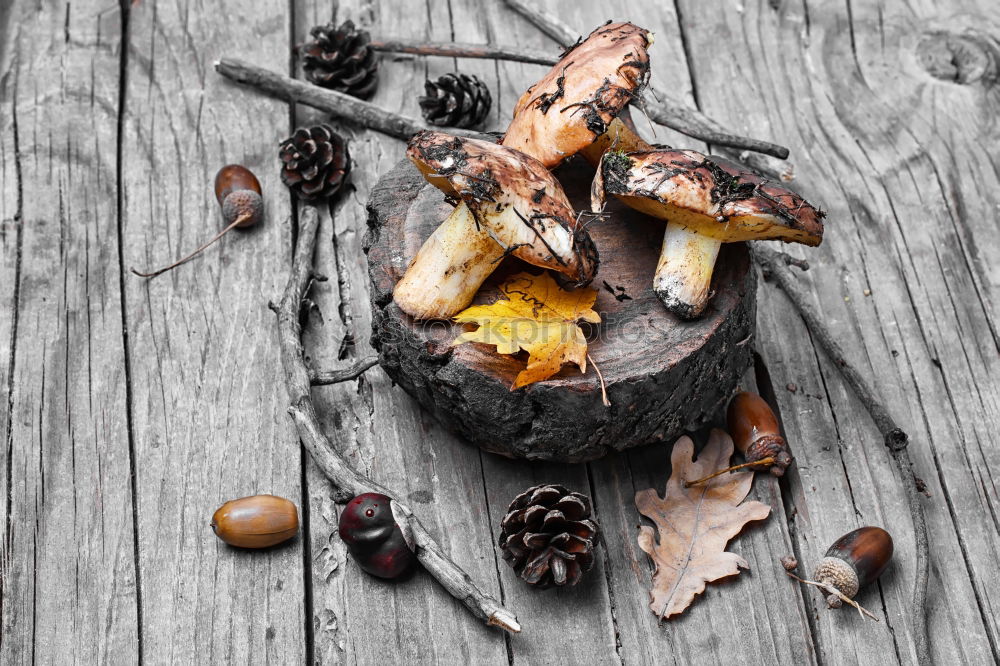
{"points": [[373, 537], [258, 521]]}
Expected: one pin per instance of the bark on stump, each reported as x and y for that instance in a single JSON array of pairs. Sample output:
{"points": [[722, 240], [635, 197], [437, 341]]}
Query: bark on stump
{"points": [[664, 376]]}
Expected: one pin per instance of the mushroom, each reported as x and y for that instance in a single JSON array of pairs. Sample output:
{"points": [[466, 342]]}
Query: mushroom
{"points": [[706, 201], [509, 203], [575, 107]]}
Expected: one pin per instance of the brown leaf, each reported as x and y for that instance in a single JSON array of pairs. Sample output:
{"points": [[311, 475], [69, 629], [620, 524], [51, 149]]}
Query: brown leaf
{"points": [[695, 524]]}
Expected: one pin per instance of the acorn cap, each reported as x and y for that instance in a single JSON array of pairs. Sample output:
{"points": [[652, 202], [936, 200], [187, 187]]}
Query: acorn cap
{"points": [[544, 230], [709, 195], [574, 103]]}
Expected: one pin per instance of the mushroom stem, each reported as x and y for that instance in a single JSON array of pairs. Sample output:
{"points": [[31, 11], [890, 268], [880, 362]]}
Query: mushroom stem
{"points": [[684, 273], [449, 268]]}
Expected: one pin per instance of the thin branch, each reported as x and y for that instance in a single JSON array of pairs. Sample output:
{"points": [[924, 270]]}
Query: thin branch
{"points": [[456, 50], [336, 104], [346, 480], [837, 596], [894, 438], [659, 108], [327, 377]]}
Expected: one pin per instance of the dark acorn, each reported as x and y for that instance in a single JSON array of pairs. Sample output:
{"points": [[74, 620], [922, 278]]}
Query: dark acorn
{"points": [[374, 539], [854, 561], [757, 434]]}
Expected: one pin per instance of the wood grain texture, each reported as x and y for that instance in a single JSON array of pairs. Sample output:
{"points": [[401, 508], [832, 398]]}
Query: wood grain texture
{"points": [[357, 618], [209, 415], [890, 109], [662, 375], [903, 162], [69, 577]]}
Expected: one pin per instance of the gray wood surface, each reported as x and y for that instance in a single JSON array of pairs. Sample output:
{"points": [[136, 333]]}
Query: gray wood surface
{"points": [[130, 410]]}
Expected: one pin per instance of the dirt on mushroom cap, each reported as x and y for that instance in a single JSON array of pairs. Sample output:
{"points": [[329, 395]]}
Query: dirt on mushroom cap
{"points": [[709, 194], [491, 178], [573, 104]]}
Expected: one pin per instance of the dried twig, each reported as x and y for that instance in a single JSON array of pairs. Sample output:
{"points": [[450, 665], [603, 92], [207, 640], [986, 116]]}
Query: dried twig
{"points": [[348, 482], [326, 377], [893, 436], [456, 50], [837, 596], [337, 104], [658, 106]]}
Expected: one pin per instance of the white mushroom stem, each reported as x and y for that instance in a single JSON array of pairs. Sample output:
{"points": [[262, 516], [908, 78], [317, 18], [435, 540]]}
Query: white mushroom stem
{"points": [[449, 268], [684, 274]]}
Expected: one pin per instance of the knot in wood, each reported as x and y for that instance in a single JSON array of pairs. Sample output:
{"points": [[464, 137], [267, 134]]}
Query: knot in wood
{"points": [[896, 440], [964, 58]]}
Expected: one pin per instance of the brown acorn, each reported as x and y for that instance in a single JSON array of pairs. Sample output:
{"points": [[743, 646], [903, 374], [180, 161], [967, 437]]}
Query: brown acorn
{"points": [[239, 195], [258, 521], [757, 434], [854, 561]]}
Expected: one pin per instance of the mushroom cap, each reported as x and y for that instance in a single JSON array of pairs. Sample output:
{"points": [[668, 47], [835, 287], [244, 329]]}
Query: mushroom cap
{"points": [[709, 194], [572, 105], [543, 228]]}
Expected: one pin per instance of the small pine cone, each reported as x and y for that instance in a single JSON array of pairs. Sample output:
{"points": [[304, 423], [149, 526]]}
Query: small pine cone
{"points": [[341, 59], [314, 162], [456, 100], [547, 536]]}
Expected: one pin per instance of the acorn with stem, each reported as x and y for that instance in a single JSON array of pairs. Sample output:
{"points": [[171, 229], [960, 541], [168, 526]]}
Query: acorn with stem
{"points": [[239, 195], [757, 434], [853, 562]]}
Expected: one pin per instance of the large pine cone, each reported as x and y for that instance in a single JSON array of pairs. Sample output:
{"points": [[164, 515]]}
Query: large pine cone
{"points": [[547, 536], [341, 58], [456, 100], [314, 162]]}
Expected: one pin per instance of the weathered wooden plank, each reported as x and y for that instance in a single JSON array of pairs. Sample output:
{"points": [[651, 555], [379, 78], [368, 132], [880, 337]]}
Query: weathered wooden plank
{"points": [[357, 618], [210, 420], [898, 159], [560, 626], [69, 578]]}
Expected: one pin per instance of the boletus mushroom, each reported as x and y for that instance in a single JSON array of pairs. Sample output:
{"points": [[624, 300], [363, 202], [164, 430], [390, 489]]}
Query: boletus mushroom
{"points": [[508, 203], [706, 201], [576, 105]]}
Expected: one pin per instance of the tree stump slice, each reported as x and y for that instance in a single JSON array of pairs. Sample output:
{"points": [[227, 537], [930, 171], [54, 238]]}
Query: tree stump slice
{"points": [[664, 376]]}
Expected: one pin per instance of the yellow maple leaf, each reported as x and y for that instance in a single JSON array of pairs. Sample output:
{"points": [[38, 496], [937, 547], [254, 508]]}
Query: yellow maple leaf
{"points": [[538, 317]]}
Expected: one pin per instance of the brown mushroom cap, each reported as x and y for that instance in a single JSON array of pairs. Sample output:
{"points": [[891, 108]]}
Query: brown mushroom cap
{"points": [[490, 177], [709, 194], [573, 104]]}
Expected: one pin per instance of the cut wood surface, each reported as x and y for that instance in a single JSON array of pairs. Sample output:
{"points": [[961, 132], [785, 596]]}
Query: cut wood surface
{"points": [[662, 376], [129, 410]]}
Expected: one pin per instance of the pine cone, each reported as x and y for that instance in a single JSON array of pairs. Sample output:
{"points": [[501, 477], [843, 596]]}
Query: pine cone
{"points": [[456, 100], [314, 162], [547, 536], [340, 58]]}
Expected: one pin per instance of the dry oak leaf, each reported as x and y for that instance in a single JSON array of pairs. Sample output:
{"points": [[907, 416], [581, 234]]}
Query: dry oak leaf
{"points": [[695, 524], [538, 317]]}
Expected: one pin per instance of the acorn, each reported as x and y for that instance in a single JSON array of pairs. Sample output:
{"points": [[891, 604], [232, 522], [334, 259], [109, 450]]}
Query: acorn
{"points": [[238, 192], [853, 562], [757, 434], [258, 521], [373, 537]]}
